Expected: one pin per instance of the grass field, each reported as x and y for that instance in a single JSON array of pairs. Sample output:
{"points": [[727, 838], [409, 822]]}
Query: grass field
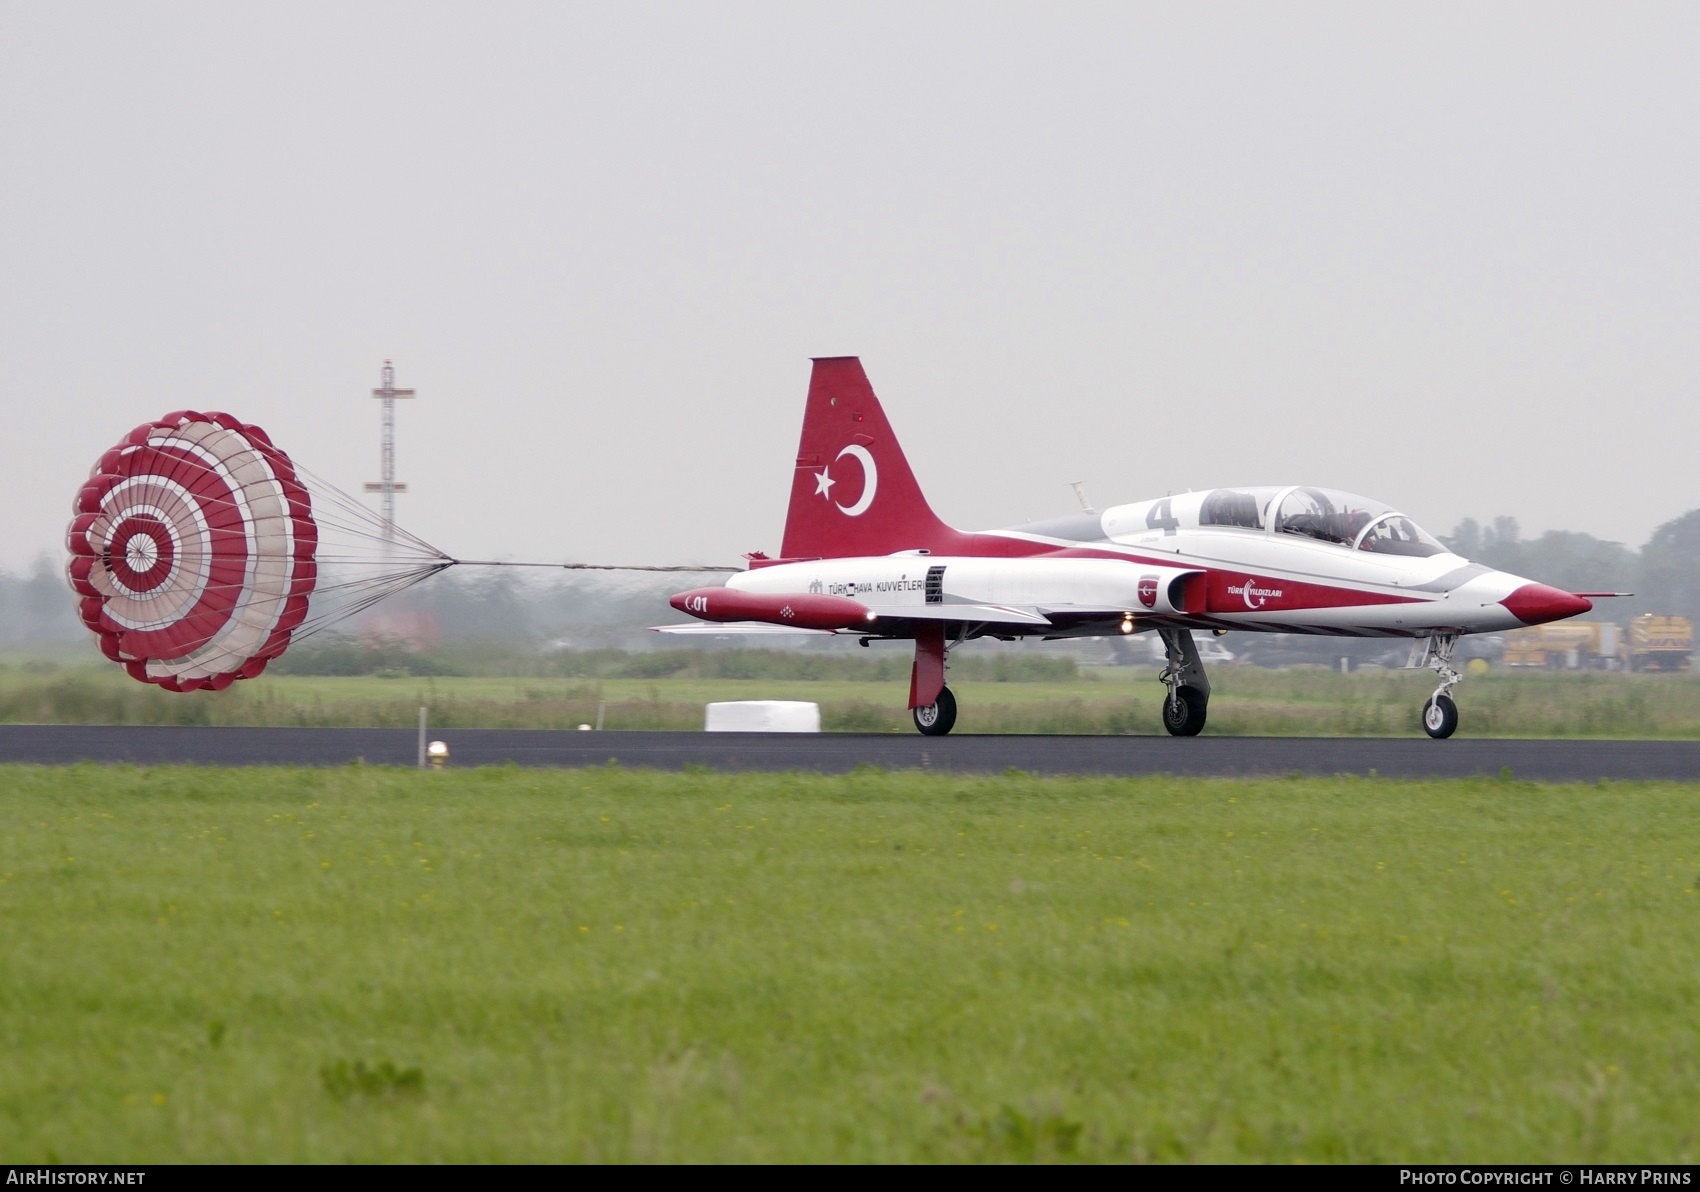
{"points": [[215, 965], [1246, 701]]}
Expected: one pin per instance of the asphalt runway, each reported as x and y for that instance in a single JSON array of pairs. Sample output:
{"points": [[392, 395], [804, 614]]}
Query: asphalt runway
{"points": [[830, 753]]}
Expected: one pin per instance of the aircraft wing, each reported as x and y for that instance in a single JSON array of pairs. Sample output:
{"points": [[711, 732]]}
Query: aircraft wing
{"points": [[984, 614], [1083, 610], [990, 614]]}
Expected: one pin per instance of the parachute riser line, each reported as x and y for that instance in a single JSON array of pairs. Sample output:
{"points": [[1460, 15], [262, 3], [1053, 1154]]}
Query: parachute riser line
{"points": [[587, 566]]}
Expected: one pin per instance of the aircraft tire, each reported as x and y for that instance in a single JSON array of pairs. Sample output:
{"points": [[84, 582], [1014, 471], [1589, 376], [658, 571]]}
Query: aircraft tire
{"points": [[1184, 716], [1440, 717], [937, 718]]}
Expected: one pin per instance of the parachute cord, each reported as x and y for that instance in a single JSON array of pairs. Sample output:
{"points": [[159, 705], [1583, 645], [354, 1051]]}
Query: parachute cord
{"points": [[361, 560], [691, 567], [378, 590]]}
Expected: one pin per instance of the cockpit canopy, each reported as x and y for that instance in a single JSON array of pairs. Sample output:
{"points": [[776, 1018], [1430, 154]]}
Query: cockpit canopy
{"points": [[1325, 514]]}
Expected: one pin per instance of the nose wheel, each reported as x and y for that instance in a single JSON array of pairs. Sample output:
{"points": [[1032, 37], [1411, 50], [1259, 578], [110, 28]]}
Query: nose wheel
{"points": [[1440, 717], [1183, 711], [1440, 713], [1188, 698]]}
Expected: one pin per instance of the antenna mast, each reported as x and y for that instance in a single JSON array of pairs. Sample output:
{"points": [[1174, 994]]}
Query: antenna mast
{"points": [[388, 485]]}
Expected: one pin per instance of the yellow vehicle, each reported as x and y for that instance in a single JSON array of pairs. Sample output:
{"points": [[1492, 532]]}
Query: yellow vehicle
{"points": [[1659, 643], [1565, 645]]}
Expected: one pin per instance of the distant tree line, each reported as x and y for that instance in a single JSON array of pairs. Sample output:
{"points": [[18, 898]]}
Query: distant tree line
{"points": [[331, 654], [570, 610], [38, 607], [1664, 574]]}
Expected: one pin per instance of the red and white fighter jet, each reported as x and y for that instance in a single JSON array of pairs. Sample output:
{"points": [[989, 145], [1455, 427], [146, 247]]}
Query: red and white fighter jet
{"points": [[864, 555]]}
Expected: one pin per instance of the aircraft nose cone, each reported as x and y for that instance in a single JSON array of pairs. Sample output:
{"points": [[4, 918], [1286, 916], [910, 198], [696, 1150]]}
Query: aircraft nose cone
{"points": [[1534, 604]]}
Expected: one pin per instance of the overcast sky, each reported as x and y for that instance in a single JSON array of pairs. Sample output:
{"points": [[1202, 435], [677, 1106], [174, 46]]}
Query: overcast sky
{"points": [[1445, 255]]}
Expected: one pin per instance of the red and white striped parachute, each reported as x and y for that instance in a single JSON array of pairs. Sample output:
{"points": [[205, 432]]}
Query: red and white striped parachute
{"points": [[199, 551], [193, 551]]}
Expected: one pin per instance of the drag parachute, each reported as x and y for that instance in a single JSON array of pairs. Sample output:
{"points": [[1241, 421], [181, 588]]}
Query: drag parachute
{"points": [[199, 551]]}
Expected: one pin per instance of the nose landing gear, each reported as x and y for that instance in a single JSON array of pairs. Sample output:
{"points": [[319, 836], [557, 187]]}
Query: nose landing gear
{"points": [[1440, 714], [1185, 706]]}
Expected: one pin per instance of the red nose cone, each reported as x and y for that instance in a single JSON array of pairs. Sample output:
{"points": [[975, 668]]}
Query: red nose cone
{"points": [[1534, 604]]}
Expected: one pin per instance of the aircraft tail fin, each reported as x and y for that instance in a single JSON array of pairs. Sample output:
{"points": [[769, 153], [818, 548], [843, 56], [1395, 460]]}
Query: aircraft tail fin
{"points": [[852, 492]]}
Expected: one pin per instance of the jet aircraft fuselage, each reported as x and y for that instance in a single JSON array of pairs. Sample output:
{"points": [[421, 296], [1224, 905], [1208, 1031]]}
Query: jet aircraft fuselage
{"points": [[864, 554], [1115, 566]]}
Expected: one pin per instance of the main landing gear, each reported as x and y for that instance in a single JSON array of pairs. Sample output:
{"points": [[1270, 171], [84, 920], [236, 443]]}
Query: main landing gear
{"points": [[930, 701], [1440, 714], [937, 718], [1188, 700]]}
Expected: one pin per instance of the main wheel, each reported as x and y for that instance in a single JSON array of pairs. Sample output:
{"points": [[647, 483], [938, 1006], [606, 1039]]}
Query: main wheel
{"points": [[1440, 717], [1183, 715], [938, 717]]}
